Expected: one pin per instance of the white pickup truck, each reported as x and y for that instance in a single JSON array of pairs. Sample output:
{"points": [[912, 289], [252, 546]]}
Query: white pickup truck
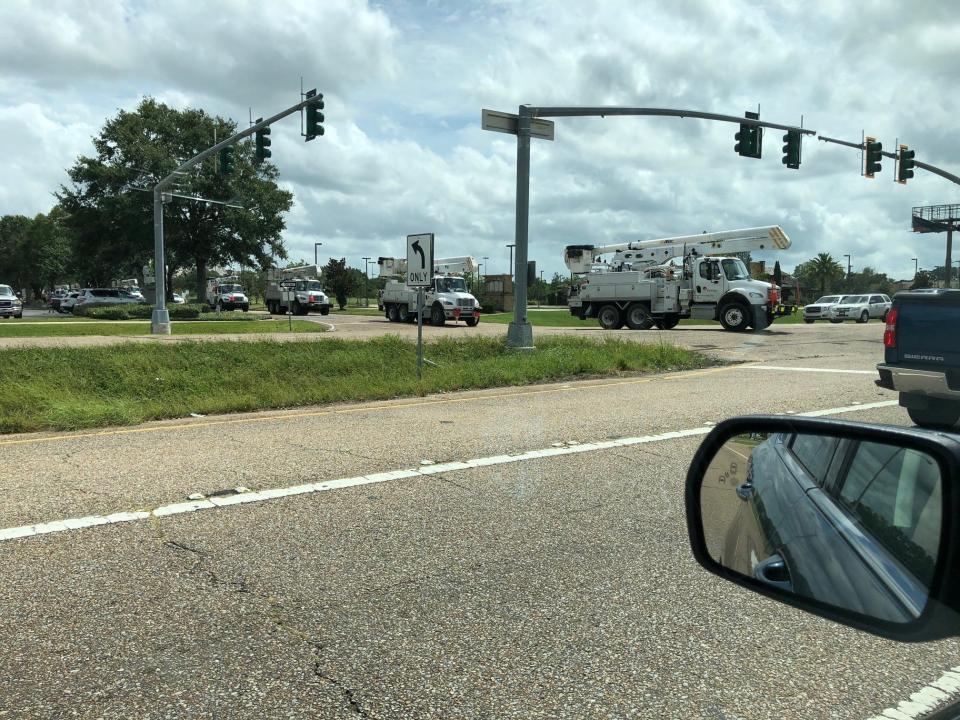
{"points": [[446, 299]]}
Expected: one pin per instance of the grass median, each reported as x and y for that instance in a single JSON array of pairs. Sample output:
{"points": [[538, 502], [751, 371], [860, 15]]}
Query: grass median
{"points": [[74, 388], [141, 327]]}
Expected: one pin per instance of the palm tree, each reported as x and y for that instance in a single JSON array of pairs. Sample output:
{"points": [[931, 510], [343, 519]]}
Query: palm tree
{"points": [[823, 269]]}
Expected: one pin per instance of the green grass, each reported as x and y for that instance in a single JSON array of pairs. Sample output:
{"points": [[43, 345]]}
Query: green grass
{"points": [[372, 310], [67, 388], [140, 327]]}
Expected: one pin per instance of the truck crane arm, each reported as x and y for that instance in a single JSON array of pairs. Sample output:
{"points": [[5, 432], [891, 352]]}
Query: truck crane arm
{"points": [[636, 255]]}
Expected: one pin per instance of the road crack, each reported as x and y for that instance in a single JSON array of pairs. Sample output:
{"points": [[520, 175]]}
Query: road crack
{"points": [[349, 694]]}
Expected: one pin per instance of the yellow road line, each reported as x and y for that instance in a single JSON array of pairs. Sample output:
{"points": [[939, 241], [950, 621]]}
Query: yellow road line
{"points": [[363, 408]]}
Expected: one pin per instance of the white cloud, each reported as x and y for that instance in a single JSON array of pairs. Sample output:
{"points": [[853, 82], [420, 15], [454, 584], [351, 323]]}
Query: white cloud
{"points": [[405, 82]]}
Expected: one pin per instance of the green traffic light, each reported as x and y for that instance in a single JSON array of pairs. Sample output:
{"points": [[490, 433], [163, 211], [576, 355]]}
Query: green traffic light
{"points": [[226, 160]]}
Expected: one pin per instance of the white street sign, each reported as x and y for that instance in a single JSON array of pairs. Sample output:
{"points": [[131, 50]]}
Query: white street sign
{"points": [[419, 260], [507, 123]]}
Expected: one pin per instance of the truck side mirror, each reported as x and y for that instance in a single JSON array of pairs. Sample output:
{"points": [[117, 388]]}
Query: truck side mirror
{"points": [[853, 522]]}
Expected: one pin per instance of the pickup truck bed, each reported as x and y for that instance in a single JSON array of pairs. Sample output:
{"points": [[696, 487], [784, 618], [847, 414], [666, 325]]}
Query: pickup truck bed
{"points": [[922, 356]]}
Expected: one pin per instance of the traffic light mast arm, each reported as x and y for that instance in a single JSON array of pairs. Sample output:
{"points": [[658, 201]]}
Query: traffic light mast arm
{"points": [[929, 168], [667, 112], [233, 139]]}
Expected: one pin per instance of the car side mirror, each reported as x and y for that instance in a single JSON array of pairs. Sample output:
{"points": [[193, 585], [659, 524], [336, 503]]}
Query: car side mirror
{"points": [[853, 522]]}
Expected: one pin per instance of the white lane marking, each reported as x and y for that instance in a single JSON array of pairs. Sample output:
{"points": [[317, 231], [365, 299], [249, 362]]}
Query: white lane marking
{"points": [[929, 697], [56, 526], [808, 369]]}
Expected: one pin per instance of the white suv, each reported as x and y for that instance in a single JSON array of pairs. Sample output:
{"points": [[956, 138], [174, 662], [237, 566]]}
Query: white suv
{"points": [[818, 310], [860, 308], [104, 296]]}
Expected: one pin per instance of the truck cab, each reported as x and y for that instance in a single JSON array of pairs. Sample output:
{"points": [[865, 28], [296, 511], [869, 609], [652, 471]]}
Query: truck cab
{"points": [[722, 289]]}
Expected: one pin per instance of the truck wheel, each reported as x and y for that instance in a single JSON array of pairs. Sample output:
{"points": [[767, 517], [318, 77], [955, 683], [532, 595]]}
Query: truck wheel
{"points": [[325, 311], [403, 313], [940, 414], [864, 317], [471, 321], [393, 315], [609, 317], [437, 316], [245, 308], [638, 318], [735, 316]]}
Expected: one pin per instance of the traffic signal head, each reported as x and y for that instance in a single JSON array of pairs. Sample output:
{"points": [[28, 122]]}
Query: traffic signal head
{"points": [[791, 149], [226, 160], [314, 116], [873, 153], [749, 140], [263, 143], [907, 163]]}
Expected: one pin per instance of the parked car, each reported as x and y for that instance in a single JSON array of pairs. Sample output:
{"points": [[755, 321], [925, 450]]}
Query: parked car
{"points": [[68, 301], [860, 308], [818, 310], [178, 299], [10, 303], [133, 292], [104, 296], [922, 356]]}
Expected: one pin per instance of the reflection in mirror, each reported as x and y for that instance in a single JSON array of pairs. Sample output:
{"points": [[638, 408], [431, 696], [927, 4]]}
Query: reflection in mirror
{"points": [[853, 524]]}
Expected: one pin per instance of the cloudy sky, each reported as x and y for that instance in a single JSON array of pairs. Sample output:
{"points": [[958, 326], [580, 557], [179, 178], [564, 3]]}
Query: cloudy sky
{"points": [[404, 83]]}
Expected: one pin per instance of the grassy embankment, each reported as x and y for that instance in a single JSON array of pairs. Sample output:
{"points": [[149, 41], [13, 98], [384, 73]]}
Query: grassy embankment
{"points": [[71, 388], [139, 327]]}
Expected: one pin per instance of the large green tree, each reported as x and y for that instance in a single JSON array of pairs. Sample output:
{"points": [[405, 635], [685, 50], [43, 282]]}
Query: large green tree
{"points": [[110, 208], [339, 280], [34, 252]]}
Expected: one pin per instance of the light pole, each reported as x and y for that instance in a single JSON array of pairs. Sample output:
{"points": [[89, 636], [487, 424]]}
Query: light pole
{"points": [[511, 246], [486, 265], [480, 279], [316, 253], [915, 269], [540, 293], [366, 277], [848, 266]]}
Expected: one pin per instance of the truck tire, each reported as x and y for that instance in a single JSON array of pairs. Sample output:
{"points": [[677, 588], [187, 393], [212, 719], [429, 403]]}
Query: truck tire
{"points": [[393, 314], [325, 311], [735, 316], [610, 317], [668, 322], [939, 414], [245, 308], [864, 317], [437, 316], [471, 321], [638, 317], [403, 313]]}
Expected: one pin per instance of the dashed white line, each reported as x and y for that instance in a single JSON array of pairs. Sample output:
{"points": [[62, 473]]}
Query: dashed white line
{"points": [[211, 503], [927, 699]]}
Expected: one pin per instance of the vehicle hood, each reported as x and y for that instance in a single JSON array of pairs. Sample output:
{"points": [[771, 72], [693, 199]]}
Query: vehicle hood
{"points": [[848, 306], [456, 296]]}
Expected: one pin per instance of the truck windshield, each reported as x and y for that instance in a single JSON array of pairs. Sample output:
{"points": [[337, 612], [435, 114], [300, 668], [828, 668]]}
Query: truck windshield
{"points": [[230, 288], [734, 269], [313, 285], [451, 285], [6, 290]]}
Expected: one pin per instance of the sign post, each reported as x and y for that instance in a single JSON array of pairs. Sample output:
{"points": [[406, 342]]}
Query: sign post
{"points": [[419, 276]]}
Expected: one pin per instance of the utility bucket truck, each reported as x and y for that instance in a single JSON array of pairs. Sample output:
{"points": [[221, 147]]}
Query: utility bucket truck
{"points": [[657, 282], [296, 289], [226, 293], [447, 298]]}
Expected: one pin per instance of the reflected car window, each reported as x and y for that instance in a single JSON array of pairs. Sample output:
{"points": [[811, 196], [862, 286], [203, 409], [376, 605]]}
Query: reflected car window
{"points": [[903, 516], [815, 453]]}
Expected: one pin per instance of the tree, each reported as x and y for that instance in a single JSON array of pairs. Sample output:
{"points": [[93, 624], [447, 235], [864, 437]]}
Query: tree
{"points": [[339, 281], [14, 231], [34, 252], [777, 274], [112, 216], [822, 271]]}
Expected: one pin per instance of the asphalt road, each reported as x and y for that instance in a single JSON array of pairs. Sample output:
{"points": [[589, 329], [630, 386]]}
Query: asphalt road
{"points": [[553, 584]]}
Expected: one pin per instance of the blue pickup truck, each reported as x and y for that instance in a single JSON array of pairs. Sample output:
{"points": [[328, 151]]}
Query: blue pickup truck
{"points": [[922, 355]]}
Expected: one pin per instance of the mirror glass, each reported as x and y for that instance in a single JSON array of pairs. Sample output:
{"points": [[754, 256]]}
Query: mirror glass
{"points": [[853, 524]]}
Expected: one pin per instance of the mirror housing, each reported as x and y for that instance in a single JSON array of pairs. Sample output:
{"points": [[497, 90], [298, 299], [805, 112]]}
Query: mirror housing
{"points": [[939, 618]]}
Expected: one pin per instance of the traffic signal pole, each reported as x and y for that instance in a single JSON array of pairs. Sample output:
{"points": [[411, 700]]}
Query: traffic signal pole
{"points": [[520, 332], [925, 166], [160, 321]]}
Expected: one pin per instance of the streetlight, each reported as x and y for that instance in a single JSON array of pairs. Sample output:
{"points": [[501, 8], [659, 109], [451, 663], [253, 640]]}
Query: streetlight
{"points": [[915, 268], [480, 277], [848, 266], [511, 246], [487, 265], [540, 294], [366, 276], [316, 254]]}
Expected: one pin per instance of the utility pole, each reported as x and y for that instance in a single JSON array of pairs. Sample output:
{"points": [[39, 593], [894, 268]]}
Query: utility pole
{"points": [[366, 277], [480, 280], [316, 253], [511, 246], [848, 267], [915, 269]]}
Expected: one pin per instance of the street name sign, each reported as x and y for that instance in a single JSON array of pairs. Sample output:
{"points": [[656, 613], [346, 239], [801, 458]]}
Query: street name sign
{"points": [[497, 121]]}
